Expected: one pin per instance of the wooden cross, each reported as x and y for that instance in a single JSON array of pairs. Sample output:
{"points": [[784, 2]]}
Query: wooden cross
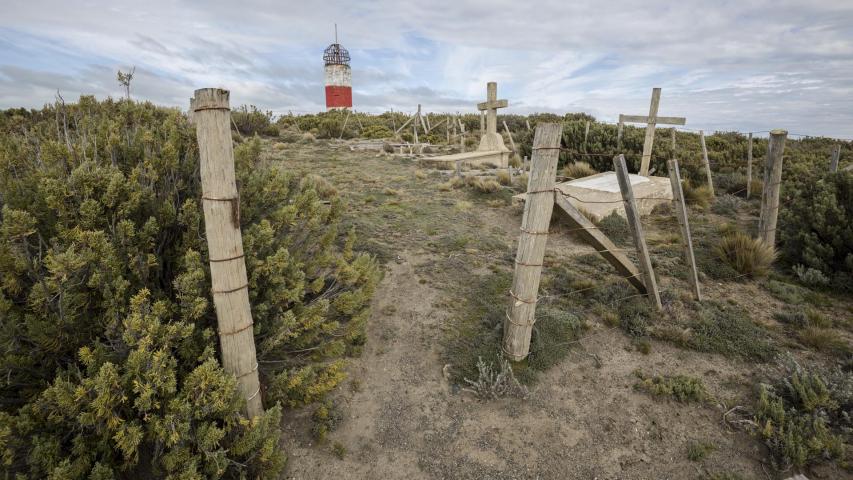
{"points": [[651, 121], [491, 106]]}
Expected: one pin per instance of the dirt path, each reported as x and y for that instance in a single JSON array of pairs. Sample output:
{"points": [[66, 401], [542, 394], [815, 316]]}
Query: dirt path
{"points": [[402, 419]]}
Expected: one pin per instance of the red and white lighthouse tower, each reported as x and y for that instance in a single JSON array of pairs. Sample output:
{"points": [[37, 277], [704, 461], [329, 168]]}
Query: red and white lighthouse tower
{"points": [[338, 76]]}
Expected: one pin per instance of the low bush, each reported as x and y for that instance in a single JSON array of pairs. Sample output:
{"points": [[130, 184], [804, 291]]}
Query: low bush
{"points": [[746, 255], [802, 415], [616, 228], [682, 388], [727, 205]]}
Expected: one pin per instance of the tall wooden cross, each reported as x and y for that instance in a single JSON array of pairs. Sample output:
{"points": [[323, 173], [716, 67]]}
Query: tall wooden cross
{"points": [[491, 139], [651, 121]]}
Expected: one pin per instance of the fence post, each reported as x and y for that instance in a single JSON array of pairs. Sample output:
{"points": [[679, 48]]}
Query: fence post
{"points": [[633, 215], [221, 203], [749, 166], [772, 185], [538, 208], [585, 136], [706, 162], [619, 133], [509, 134], [681, 214], [836, 155], [673, 142]]}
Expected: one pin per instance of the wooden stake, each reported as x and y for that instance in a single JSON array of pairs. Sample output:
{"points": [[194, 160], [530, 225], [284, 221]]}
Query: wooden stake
{"points": [[345, 126], [518, 326], [619, 129], [681, 214], [447, 128], [428, 126], [706, 162], [414, 115], [585, 135], [527, 122], [672, 132], [421, 118], [772, 184], [509, 134], [415, 132], [836, 155], [221, 204], [633, 215], [749, 165]]}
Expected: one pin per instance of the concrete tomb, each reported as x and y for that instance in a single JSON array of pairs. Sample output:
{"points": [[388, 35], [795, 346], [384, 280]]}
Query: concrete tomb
{"points": [[599, 194], [492, 150]]}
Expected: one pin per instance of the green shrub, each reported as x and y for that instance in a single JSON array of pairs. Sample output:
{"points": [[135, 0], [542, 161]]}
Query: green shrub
{"points": [[728, 330], [727, 205], [746, 255], [248, 121], [376, 132], [109, 338], [696, 451], [616, 228], [682, 388], [816, 226], [800, 418]]}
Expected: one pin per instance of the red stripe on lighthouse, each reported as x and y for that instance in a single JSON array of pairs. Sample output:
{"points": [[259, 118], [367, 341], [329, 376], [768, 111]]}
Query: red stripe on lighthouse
{"points": [[338, 97]]}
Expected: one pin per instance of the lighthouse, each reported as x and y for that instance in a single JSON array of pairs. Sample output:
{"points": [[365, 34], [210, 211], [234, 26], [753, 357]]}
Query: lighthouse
{"points": [[338, 76]]}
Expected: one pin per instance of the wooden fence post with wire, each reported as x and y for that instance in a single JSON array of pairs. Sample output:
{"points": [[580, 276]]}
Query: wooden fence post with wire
{"points": [[633, 215], [836, 156], [221, 204], [681, 214], [705, 162], [518, 326], [749, 166], [772, 183]]}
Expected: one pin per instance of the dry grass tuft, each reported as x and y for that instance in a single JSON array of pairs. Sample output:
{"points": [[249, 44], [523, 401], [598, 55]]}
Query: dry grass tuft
{"points": [[484, 184], [504, 177], [521, 180], [699, 196], [391, 192], [279, 146], [747, 255], [578, 170], [421, 174]]}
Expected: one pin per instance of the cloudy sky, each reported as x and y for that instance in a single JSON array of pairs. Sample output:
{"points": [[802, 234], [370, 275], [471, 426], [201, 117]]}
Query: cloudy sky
{"points": [[730, 65]]}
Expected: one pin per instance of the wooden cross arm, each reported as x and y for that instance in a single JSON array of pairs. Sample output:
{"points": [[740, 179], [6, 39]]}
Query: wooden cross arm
{"points": [[658, 120], [494, 104]]}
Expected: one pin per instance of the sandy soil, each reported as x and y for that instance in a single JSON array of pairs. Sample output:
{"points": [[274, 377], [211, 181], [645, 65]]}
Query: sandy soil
{"points": [[402, 419]]}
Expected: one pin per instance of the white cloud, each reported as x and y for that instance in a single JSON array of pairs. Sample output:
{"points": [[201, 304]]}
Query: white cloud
{"points": [[733, 65]]}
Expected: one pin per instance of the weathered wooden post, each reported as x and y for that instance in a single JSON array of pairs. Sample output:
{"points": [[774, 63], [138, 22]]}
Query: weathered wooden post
{"points": [[705, 161], [447, 127], [527, 122], [633, 215], [681, 214], [415, 134], [749, 166], [673, 142], [509, 134], [518, 326], [772, 184], [585, 135], [421, 118], [836, 155], [221, 203], [461, 136], [619, 129], [343, 128]]}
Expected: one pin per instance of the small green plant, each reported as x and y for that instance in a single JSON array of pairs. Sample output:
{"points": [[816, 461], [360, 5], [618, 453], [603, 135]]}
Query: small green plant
{"points": [[326, 419], [615, 227], [746, 255], [682, 388], [696, 451], [810, 276], [492, 383], [727, 205], [339, 450], [798, 417]]}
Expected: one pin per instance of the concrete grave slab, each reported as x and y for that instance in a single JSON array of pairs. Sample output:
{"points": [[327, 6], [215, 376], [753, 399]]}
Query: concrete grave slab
{"points": [[599, 194], [492, 150]]}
